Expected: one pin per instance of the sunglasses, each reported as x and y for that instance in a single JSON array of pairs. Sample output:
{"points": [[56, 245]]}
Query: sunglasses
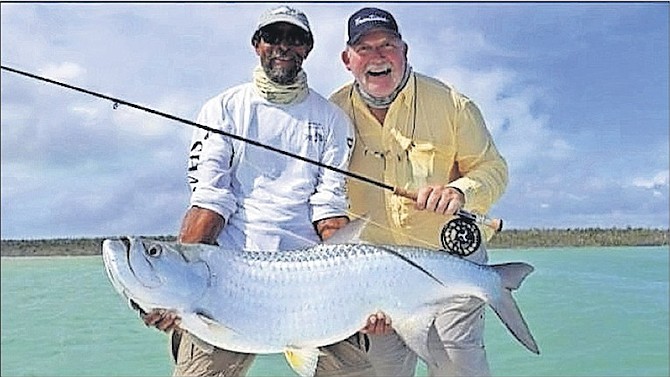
{"points": [[292, 37]]}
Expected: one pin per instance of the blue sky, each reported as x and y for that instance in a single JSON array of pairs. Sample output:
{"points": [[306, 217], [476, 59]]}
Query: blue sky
{"points": [[575, 95]]}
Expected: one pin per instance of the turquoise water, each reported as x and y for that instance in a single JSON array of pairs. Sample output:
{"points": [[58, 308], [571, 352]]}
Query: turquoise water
{"points": [[593, 311]]}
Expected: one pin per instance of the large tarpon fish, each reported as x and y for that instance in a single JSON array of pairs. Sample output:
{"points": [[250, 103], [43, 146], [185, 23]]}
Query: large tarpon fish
{"points": [[294, 302]]}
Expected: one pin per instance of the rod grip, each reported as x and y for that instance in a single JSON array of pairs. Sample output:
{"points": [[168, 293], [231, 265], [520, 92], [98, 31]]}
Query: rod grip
{"points": [[405, 193], [495, 224]]}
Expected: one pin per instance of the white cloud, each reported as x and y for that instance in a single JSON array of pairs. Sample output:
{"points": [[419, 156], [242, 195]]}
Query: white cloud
{"points": [[477, 42], [658, 181], [62, 71], [520, 133], [84, 111]]}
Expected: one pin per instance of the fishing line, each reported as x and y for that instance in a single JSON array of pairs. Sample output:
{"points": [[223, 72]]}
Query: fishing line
{"points": [[118, 101], [445, 238]]}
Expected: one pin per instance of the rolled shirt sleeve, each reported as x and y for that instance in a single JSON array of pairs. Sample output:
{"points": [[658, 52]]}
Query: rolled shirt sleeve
{"points": [[485, 172], [330, 197], [210, 163]]}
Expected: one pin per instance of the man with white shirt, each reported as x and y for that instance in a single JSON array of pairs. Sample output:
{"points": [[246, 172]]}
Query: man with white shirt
{"points": [[248, 197]]}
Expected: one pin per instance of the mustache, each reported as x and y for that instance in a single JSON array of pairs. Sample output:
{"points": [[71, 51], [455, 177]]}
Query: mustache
{"points": [[286, 55]]}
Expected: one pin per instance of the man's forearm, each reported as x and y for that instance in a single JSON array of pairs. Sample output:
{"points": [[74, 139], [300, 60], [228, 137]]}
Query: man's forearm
{"points": [[201, 225]]}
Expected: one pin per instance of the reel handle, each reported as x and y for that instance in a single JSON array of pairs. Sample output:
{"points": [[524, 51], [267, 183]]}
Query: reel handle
{"points": [[495, 224]]}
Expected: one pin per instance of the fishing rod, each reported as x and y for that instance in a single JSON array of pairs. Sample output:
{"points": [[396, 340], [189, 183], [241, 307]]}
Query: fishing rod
{"points": [[457, 230]]}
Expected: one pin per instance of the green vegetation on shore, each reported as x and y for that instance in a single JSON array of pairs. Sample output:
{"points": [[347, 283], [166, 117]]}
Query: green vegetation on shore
{"points": [[59, 246], [512, 238], [579, 237]]}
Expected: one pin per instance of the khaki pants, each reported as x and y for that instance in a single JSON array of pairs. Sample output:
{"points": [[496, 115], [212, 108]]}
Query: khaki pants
{"points": [[344, 359], [455, 341]]}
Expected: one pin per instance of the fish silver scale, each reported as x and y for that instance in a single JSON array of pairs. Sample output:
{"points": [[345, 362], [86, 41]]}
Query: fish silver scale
{"points": [[306, 297]]}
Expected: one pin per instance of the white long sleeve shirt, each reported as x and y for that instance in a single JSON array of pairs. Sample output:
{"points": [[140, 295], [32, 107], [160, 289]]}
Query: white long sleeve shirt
{"points": [[269, 200]]}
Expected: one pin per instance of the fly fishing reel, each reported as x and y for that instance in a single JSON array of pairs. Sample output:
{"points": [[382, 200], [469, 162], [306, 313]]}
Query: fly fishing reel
{"points": [[460, 236]]}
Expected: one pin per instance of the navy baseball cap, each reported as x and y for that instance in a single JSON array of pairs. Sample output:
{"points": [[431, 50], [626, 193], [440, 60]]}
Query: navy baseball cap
{"points": [[367, 19]]}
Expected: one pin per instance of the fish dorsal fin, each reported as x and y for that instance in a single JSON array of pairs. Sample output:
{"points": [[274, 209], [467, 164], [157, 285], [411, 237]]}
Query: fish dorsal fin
{"points": [[512, 274], [302, 360], [350, 233], [410, 261]]}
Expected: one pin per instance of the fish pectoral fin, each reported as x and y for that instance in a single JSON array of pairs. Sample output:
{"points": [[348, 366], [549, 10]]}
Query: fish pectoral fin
{"points": [[206, 318], [414, 331], [200, 322], [303, 360]]}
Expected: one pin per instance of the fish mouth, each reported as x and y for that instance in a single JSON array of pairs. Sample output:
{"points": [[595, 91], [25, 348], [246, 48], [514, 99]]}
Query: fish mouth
{"points": [[135, 306], [117, 258], [126, 244], [110, 259]]}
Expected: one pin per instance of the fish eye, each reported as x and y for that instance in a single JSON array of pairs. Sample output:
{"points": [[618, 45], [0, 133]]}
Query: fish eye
{"points": [[154, 250]]}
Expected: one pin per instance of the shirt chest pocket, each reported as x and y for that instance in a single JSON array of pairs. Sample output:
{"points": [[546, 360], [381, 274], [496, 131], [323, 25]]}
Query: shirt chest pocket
{"points": [[413, 174], [422, 161]]}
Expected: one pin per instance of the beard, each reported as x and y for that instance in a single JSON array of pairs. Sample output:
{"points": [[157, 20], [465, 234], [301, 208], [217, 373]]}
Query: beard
{"points": [[279, 74]]}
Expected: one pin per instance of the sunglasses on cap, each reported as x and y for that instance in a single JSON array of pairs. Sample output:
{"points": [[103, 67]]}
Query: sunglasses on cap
{"points": [[292, 36]]}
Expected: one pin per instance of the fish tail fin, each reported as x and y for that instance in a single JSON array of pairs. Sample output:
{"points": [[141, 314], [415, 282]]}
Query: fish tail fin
{"points": [[512, 275]]}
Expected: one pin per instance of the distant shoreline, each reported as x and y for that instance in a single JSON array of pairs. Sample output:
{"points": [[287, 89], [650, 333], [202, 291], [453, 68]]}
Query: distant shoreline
{"points": [[507, 239]]}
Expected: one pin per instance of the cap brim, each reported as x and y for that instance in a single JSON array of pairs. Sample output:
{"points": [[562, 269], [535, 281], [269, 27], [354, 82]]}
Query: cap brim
{"points": [[360, 34]]}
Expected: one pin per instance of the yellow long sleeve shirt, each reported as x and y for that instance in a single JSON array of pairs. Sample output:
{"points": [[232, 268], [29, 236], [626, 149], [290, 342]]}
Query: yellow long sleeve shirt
{"points": [[431, 135]]}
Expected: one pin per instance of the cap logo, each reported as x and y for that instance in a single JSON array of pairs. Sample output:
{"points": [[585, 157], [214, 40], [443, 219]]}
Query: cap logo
{"points": [[370, 18], [285, 10]]}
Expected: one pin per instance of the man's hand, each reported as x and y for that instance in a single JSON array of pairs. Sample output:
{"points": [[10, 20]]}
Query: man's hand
{"points": [[378, 324], [162, 319], [327, 227], [440, 199]]}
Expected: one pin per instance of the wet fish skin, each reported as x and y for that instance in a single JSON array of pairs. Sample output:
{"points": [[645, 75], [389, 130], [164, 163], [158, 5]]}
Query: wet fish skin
{"points": [[296, 301]]}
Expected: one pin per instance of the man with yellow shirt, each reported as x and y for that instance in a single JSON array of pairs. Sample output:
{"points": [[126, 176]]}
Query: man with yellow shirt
{"points": [[419, 134]]}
